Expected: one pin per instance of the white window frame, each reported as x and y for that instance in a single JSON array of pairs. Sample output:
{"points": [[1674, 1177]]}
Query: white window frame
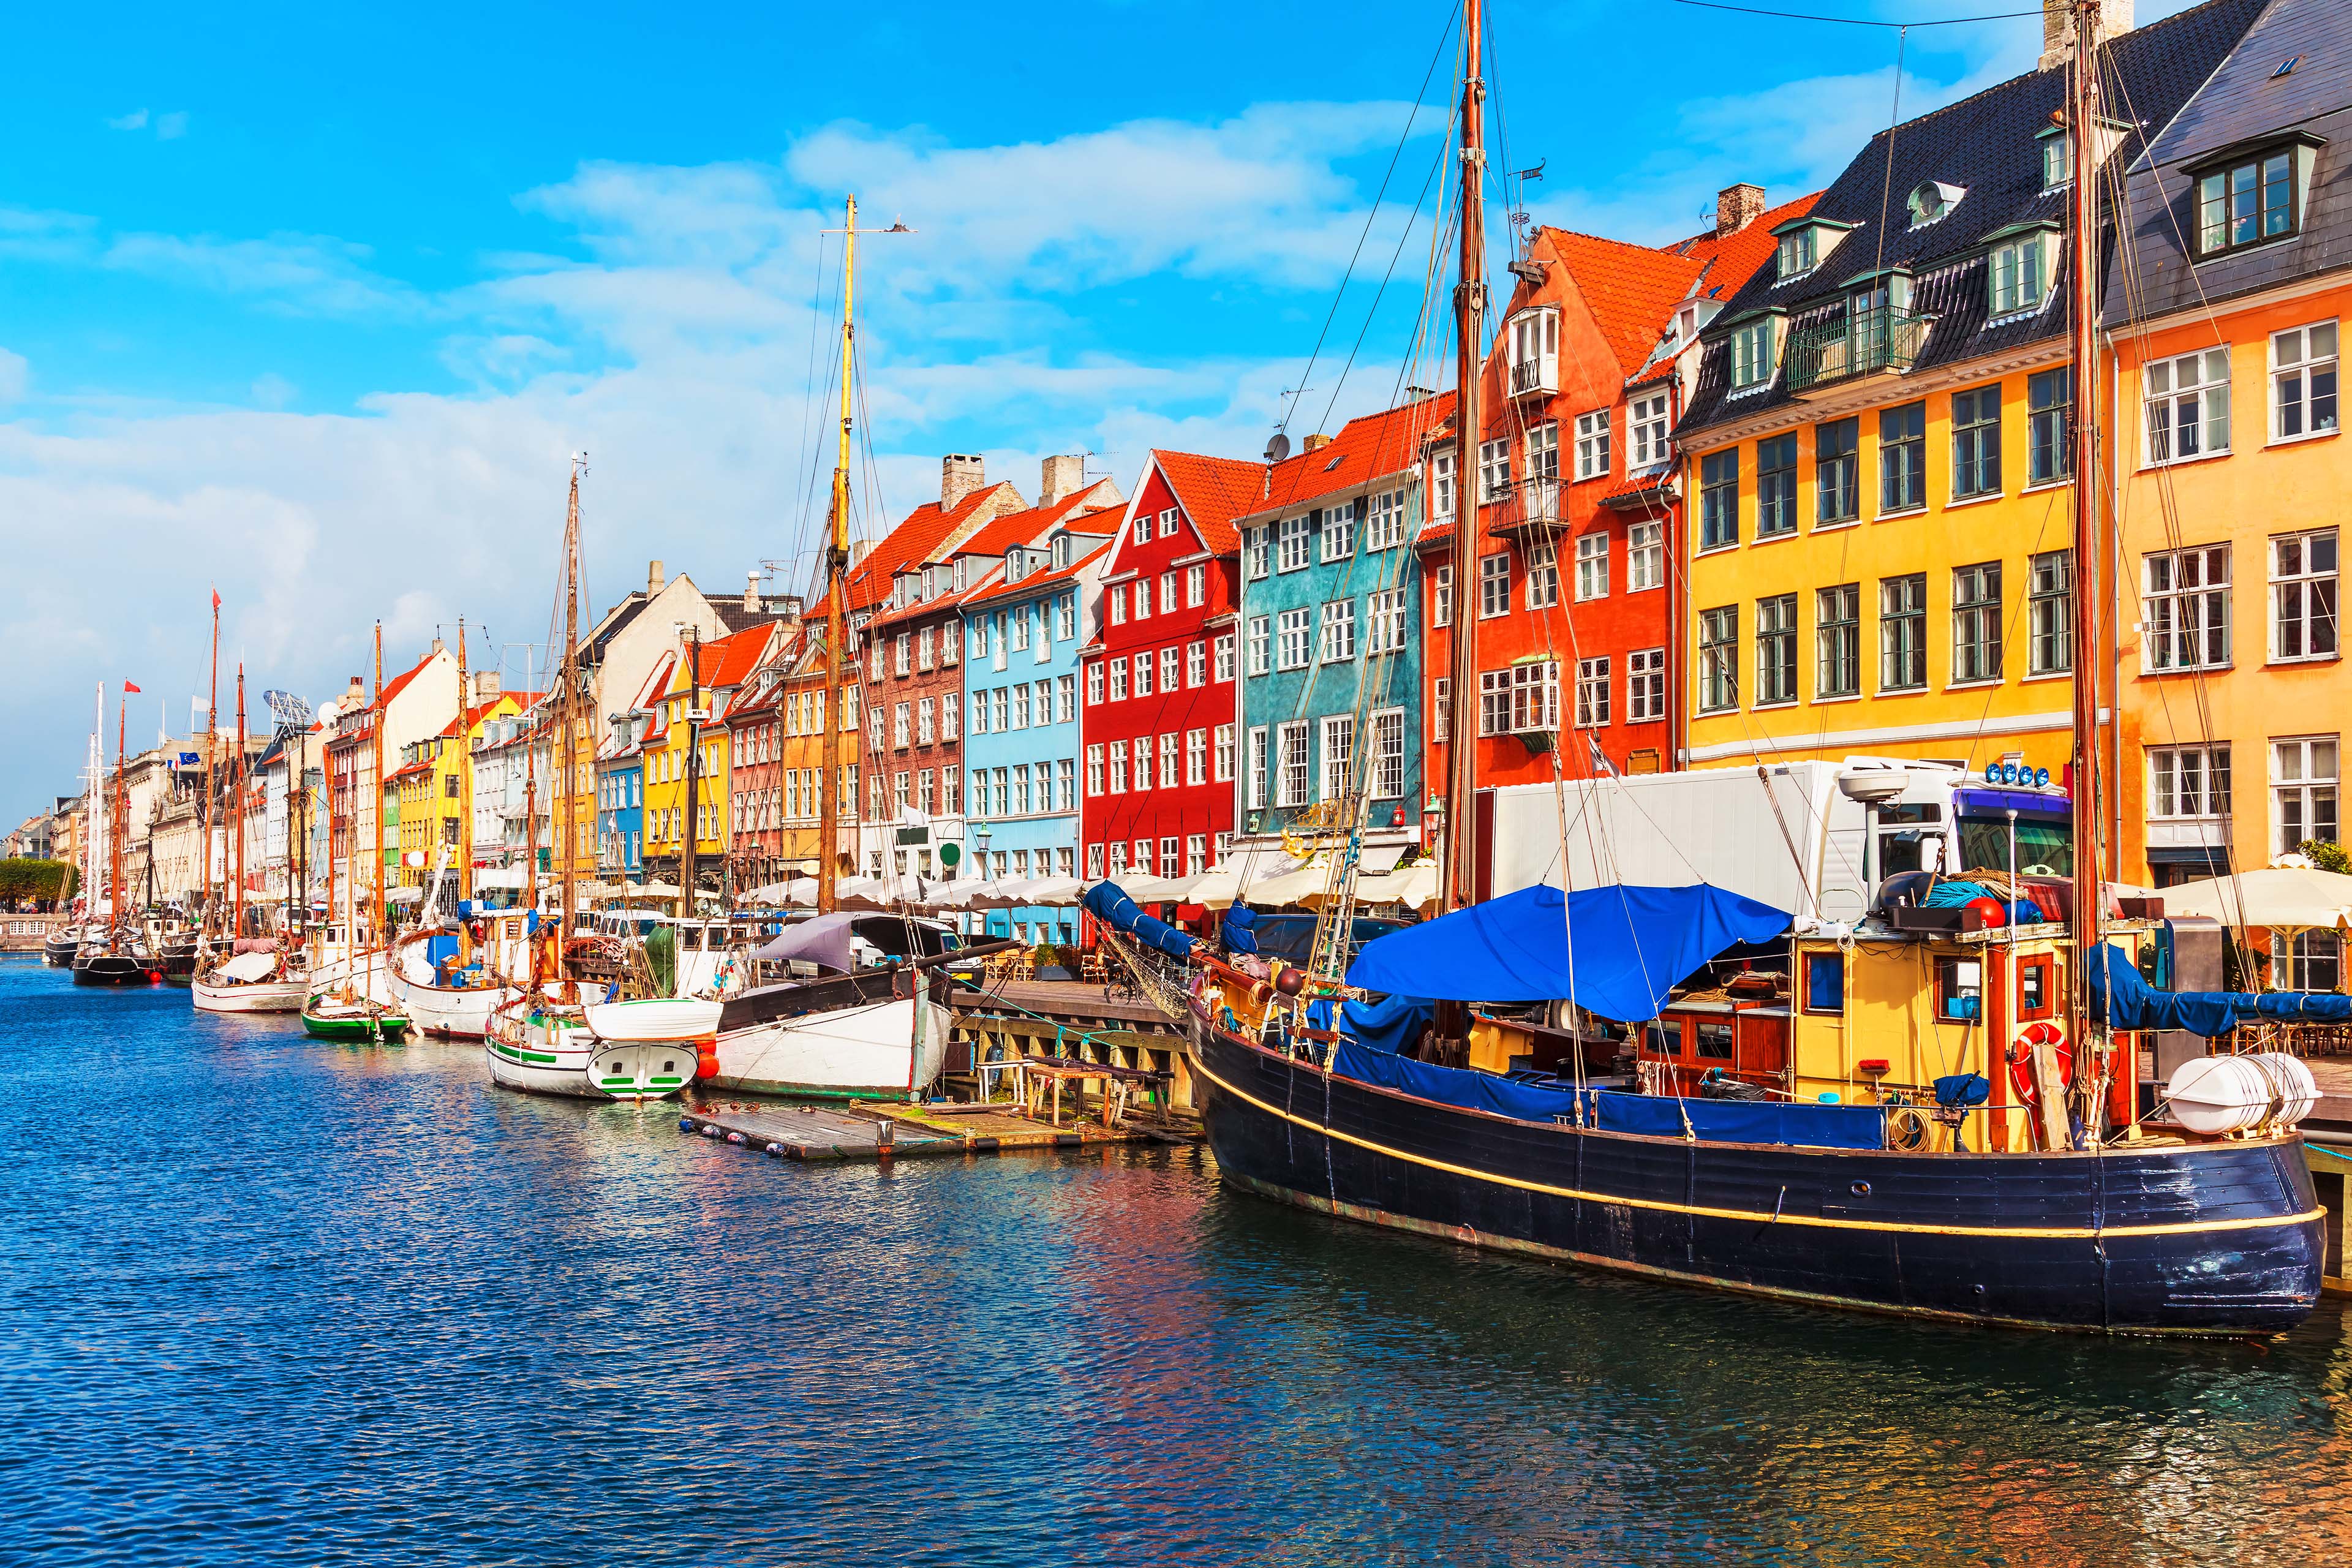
{"points": [[1493, 469], [1338, 531], [1493, 584], [1646, 686], [1334, 641], [1259, 765], [1591, 445], [2302, 357], [1339, 755], [1384, 628], [2186, 621], [2313, 593], [1384, 522], [2204, 402], [1534, 340], [1591, 566], [1225, 649], [1385, 779], [1196, 756], [1294, 638], [2301, 787], [1261, 645], [1257, 556], [2189, 783], [1222, 746], [1592, 684], [1292, 740], [1649, 426], [1292, 553]]}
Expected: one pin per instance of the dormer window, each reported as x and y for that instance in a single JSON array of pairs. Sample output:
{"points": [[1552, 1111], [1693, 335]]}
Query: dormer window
{"points": [[1800, 252], [958, 575], [2017, 271], [1753, 347], [1932, 200], [2057, 159], [1061, 550], [2251, 195]]}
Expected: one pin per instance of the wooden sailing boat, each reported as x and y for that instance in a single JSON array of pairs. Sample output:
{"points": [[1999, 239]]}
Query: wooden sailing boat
{"points": [[119, 955], [2051, 1211], [250, 974]]}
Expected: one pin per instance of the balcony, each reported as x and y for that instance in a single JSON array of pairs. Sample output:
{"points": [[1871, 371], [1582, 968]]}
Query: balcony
{"points": [[1864, 343], [1532, 512], [1536, 377]]}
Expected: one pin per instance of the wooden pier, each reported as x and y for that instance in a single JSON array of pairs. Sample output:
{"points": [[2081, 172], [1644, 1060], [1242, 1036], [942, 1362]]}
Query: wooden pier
{"points": [[1068, 1019], [859, 1131]]}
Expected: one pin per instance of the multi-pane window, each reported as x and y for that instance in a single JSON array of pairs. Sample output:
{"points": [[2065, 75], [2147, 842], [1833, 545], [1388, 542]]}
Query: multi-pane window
{"points": [[1261, 644], [1903, 457], [1258, 557], [925, 724], [1196, 664], [1718, 499], [1440, 483], [1384, 525], [1543, 575], [1339, 532], [2303, 790], [1799, 253], [1441, 597], [2187, 780], [900, 647], [1976, 622], [1094, 862], [1196, 854], [1591, 445], [1066, 615], [2188, 403], [2307, 960], [2050, 613], [1494, 585], [1719, 659], [1196, 586], [1384, 617], [1168, 850], [1143, 675], [1225, 655], [2303, 382], [1591, 692], [1534, 350], [2184, 608], [924, 644], [1021, 707], [1117, 617], [1441, 708], [1837, 641], [1291, 739], [2014, 274], [1646, 426], [1066, 698], [1520, 699], [1168, 659], [1645, 556], [2048, 425], [1169, 521], [1903, 633], [1117, 681], [1645, 685], [1094, 770], [2246, 204], [1776, 486], [1339, 755], [1019, 616], [1386, 780], [1751, 355], [1257, 767], [1225, 744], [1196, 756], [1142, 599], [1338, 627], [1975, 442], [1167, 593], [1837, 490], [1293, 556], [2303, 595], [898, 715], [1142, 765], [1592, 566], [1776, 650], [1168, 744], [1494, 468], [1020, 791], [1296, 638]]}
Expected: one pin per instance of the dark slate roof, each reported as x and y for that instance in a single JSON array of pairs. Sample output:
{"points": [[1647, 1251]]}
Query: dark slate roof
{"points": [[1987, 145], [2244, 101]]}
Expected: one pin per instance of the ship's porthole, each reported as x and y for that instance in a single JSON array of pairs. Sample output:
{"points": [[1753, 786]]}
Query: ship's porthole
{"points": [[1862, 1189]]}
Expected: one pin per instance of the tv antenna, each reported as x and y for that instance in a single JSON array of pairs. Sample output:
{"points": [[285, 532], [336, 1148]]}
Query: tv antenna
{"points": [[292, 711]]}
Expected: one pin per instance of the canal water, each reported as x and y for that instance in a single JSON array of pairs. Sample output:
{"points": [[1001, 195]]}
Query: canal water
{"points": [[268, 1301]]}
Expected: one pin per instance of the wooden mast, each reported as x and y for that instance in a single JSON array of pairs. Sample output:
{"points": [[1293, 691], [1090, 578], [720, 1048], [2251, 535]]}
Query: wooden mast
{"points": [[119, 818], [465, 777], [2083, 125], [375, 869], [212, 751], [837, 573], [1458, 877], [566, 835], [686, 870], [237, 891]]}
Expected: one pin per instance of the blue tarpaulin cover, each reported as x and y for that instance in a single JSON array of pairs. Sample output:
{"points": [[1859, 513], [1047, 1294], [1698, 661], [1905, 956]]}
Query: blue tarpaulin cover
{"points": [[1709, 1120], [1108, 902], [1390, 1025], [1631, 946], [2133, 1004]]}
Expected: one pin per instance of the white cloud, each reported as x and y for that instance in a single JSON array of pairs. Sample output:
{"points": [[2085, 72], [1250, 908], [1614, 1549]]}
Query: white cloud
{"points": [[15, 377], [272, 391], [293, 271], [135, 120]]}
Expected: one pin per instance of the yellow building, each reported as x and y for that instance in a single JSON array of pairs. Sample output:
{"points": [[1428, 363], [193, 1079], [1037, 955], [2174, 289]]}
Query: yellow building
{"points": [[1876, 448], [687, 686], [424, 795]]}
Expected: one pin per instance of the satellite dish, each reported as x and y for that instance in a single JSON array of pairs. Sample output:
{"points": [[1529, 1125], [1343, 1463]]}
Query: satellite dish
{"points": [[1277, 449], [290, 709]]}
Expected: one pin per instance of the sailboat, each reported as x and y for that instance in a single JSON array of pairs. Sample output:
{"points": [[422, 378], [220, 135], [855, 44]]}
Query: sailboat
{"points": [[259, 973], [118, 954], [2013, 1186]]}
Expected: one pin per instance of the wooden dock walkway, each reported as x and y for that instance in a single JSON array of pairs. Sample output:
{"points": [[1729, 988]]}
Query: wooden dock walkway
{"points": [[860, 1130]]}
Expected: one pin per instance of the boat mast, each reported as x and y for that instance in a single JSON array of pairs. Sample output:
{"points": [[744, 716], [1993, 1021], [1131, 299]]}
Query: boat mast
{"points": [[236, 891], [465, 856], [693, 774], [212, 751], [1458, 877], [375, 868], [837, 572], [121, 816], [2083, 125], [566, 832]]}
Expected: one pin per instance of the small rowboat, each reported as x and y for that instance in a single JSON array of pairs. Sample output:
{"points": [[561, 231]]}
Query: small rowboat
{"points": [[336, 1018]]}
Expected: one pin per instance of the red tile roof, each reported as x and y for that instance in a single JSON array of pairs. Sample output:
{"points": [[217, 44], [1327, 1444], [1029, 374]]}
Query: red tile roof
{"points": [[993, 588], [1212, 492], [912, 543], [1384, 443], [1028, 526], [725, 661]]}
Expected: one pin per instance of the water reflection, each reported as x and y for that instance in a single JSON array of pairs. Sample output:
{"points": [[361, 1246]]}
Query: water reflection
{"points": [[274, 1299]]}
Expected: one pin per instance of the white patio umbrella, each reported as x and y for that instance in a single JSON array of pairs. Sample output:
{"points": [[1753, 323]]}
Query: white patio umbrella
{"points": [[2282, 899], [1290, 886], [1054, 891], [1415, 887], [798, 890]]}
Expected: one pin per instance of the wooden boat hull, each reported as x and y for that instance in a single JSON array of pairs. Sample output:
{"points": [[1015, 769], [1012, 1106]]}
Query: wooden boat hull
{"points": [[353, 1027], [451, 1014], [257, 997], [572, 1062], [874, 1051], [2213, 1239], [113, 969]]}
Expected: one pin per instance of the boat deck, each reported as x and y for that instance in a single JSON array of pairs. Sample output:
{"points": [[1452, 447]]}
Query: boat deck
{"points": [[879, 1131]]}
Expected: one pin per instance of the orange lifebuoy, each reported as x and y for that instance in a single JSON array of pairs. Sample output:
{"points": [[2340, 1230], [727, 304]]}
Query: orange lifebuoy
{"points": [[2020, 1056]]}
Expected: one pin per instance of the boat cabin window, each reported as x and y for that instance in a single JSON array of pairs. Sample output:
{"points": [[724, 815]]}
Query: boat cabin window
{"points": [[2043, 849], [1825, 983], [2033, 988], [1711, 1038], [1960, 989], [1665, 1038]]}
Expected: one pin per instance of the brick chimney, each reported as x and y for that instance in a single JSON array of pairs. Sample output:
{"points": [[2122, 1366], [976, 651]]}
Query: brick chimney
{"points": [[751, 593], [1061, 476], [960, 473], [1737, 206], [2058, 29], [485, 685], [652, 578], [1314, 443]]}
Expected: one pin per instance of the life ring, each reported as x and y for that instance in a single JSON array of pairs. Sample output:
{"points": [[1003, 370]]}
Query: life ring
{"points": [[2020, 1056]]}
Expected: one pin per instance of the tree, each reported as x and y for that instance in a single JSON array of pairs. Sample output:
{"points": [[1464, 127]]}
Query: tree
{"points": [[2325, 855]]}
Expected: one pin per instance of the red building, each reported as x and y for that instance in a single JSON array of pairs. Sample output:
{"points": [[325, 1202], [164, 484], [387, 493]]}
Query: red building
{"points": [[1577, 596], [754, 717], [1158, 714]]}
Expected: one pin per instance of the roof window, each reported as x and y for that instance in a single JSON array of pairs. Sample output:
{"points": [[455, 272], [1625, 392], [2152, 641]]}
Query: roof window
{"points": [[1931, 200], [2251, 194]]}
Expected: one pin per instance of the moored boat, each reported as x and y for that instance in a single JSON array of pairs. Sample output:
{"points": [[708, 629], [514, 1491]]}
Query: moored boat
{"points": [[329, 1017], [540, 1041], [114, 958], [263, 981], [59, 951]]}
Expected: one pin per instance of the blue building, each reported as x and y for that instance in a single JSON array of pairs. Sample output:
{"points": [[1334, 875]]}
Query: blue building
{"points": [[1332, 657], [621, 811], [1025, 621]]}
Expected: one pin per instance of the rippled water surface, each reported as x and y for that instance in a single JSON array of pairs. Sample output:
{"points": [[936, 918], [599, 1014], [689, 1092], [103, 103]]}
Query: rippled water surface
{"points": [[265, 1299]]}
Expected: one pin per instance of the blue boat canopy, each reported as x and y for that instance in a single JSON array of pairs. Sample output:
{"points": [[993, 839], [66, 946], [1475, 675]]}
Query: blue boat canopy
{"points": [[2132, 1004], [1618, 952]]}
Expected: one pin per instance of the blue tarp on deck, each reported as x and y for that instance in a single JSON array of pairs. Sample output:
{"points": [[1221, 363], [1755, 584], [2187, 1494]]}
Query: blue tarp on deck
{"points": [[2133, 1004], [1616, 951]]}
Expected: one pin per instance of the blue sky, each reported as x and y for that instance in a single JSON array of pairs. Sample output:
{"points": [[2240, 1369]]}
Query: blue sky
{"points": [[313, 303]]}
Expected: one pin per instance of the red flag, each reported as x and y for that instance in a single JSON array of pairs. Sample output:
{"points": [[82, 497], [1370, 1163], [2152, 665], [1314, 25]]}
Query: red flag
{"points": [[128, 689], [215, 598]]}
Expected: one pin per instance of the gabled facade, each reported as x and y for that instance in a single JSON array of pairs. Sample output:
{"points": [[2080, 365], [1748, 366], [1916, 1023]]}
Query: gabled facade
{"points": [[2232, 469], [419, 701], [1876, 444], [697, 679], [1156, 771], [1330, 668]]}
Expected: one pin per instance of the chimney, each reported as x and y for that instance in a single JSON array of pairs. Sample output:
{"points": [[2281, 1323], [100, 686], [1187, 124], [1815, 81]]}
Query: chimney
{"points": [[1737, 206], [751, 593], [2058, 29], [1063, 476], [959, 474], [438, 645], [1314, 443], [486, 686], [654, 580]]}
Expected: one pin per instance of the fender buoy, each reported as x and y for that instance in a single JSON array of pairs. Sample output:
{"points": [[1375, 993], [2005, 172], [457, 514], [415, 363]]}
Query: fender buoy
{"points": [[2020, 1056], [706, 1059]]}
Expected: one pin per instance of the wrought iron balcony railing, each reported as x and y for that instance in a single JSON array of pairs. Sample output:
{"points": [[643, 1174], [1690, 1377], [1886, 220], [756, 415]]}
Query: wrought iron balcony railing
{"points": [[1862, 343]]}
